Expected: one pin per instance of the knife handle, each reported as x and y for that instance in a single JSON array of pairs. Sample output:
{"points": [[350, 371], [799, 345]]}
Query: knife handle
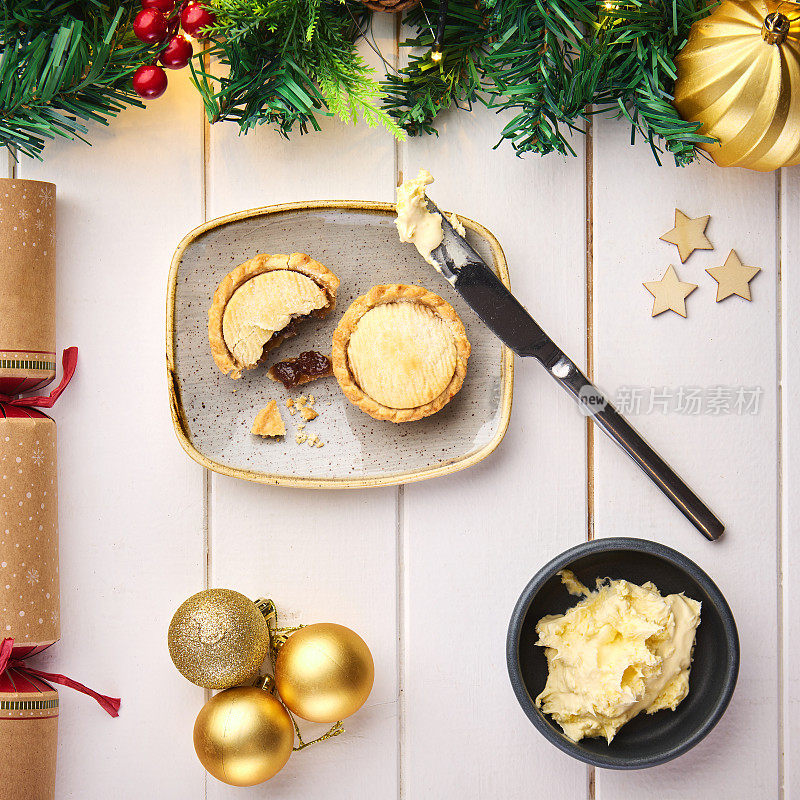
{"points": [[617, 428]]}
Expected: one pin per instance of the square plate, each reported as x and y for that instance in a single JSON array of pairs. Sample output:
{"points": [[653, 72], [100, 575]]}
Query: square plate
{"points": [[213, 414]]}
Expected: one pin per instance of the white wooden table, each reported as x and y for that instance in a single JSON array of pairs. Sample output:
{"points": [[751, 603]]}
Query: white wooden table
{"points": [[427, 573]]}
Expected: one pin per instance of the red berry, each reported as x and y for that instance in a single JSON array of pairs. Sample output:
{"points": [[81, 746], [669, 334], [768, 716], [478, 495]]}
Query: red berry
{"points": [[194, 18], [177, 53], [150, 26], [164, 6], [150, 81]]}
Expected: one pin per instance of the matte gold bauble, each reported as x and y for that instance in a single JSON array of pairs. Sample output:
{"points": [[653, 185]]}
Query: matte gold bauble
{"points": [[243, 736], [324, 672], [738, 75], [218, 638]]}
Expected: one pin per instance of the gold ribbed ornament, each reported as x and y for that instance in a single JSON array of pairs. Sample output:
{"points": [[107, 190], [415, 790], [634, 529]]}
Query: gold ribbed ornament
{"points": [[243, 736], [324, 672], [739, 75], [218, 638]]}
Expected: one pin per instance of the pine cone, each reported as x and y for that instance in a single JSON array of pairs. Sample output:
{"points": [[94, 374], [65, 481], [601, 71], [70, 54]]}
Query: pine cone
{"points": [[390, 5]]}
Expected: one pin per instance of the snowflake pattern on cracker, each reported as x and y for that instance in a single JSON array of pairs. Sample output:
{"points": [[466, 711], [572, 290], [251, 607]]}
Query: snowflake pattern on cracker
{"points": [[29, 583]]}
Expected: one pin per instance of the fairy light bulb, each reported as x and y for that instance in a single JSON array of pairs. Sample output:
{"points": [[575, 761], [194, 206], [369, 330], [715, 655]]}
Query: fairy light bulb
{"points": [[438, 42]]}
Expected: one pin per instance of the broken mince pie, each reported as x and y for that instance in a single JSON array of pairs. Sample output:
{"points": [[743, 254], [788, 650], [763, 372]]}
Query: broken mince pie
{"points": [[400, 353], [261, 303]]}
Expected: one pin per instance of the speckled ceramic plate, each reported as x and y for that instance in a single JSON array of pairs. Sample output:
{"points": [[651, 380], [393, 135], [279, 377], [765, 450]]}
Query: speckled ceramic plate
{"points": [[213, 414]]}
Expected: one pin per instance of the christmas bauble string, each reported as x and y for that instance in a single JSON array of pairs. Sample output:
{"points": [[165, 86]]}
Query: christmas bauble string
{"points": [[69, 361], [7, 661]]}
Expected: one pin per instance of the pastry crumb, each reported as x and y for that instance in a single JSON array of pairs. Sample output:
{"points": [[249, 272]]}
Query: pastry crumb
{"points": [[268, 421], [300, 426], [289, 402], [312, 440], [320, 443], [301, 401], [300, 438], [308, 413], [311, 400]]}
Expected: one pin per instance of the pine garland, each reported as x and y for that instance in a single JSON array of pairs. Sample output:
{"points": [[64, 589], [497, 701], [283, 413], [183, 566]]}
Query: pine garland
{"points": [[552, 63], [62, 65], [547, 64], [282, 62], [424, 88]]}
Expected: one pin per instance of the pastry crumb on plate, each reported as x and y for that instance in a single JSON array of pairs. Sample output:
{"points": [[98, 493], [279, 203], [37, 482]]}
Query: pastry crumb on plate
{"points": [[268, 421]]}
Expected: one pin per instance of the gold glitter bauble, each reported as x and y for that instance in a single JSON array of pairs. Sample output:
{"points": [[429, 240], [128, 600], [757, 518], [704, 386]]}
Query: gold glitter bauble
{"points": [[243, 736], [324, 672], [218, 638], [738, 75]]}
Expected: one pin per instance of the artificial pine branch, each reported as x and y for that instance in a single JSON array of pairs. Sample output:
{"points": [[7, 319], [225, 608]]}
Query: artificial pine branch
{"points": [[642, 38], [543, 68], [551, 63], [62, 65], [424, 88], [282, 62]]}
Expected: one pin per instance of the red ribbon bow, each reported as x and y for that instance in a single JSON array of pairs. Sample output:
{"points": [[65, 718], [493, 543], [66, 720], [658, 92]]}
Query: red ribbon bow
{"points": [[7, 660], [69, 360]]}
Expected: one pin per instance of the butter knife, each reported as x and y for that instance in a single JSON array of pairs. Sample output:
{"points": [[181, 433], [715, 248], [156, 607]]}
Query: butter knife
{"points": [[505, 316]]}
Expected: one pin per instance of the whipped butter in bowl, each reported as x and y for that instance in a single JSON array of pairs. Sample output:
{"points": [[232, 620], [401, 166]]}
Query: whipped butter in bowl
{"points": [[622, 650], [631, 672]]}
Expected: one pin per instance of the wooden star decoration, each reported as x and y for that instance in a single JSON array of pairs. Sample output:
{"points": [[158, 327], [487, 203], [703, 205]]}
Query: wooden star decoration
{"points": [[733, 277], [670, 293], [688, 234]]}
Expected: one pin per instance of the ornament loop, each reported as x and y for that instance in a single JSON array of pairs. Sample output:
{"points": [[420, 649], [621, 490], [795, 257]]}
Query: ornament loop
{"points": [[775, 28], [266, 682], [267, 608]]}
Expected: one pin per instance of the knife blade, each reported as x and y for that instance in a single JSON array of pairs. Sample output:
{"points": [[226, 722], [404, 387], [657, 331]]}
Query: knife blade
{"points": [[508, 319]]}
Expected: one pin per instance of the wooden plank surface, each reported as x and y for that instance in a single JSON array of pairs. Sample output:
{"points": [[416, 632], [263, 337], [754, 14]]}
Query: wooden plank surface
{"points": [[473, 540], [790, 474], [130, 502], [729, 458]]}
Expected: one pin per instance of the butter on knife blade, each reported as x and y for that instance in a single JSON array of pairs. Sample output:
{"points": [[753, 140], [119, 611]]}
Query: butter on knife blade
{"points": [[416, 224]]}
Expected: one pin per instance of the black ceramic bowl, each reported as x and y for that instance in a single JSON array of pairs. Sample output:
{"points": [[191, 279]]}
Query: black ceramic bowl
{"points": [[646, 740]]}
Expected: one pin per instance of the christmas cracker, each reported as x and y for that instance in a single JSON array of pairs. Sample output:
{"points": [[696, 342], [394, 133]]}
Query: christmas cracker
{"points": [[27, 284], [29, 584]]}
